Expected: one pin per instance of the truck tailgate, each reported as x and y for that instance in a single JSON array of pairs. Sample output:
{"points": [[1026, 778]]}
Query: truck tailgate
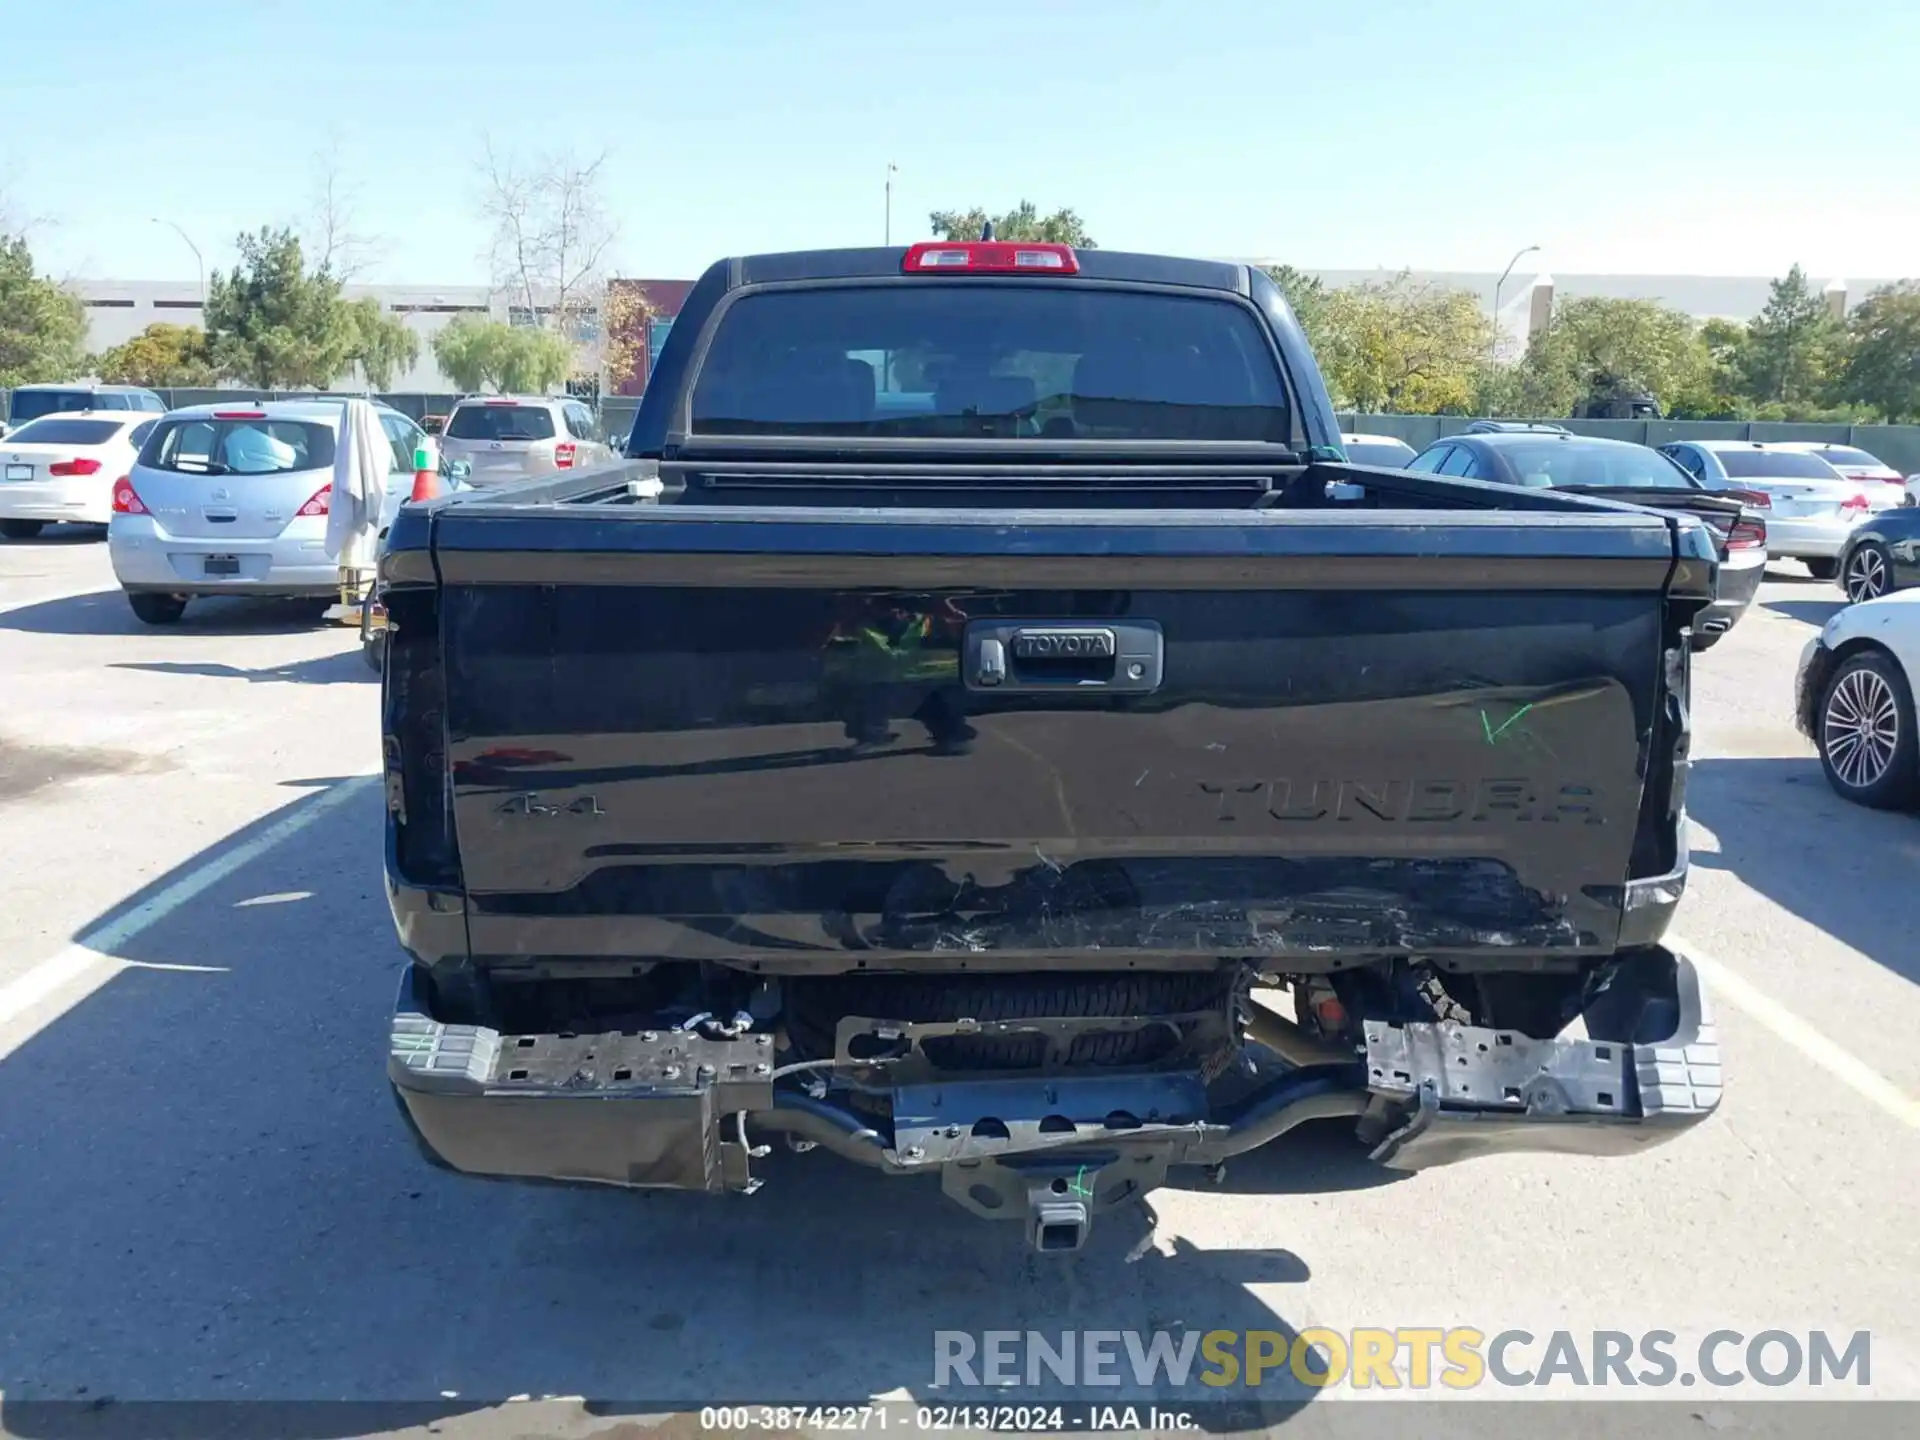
{"points": [[835, 739]]}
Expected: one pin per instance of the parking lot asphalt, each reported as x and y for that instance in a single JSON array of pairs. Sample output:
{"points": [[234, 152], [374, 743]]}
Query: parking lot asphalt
{"points": [[205, 1193]]}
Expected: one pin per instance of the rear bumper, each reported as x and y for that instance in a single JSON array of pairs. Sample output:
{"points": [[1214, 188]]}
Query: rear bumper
{"points": [[75, 502], [1807, 539], [669, 1109], [1562, 1096], [1736, 587], [293, 563]]}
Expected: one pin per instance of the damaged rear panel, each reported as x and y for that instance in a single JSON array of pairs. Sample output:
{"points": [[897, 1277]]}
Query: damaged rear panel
{"points": [[815, 740]]}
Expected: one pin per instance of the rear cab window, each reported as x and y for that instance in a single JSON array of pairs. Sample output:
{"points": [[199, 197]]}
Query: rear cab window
{"points": [[214, 446], [975, 359], [495, 421], [64, 430]]}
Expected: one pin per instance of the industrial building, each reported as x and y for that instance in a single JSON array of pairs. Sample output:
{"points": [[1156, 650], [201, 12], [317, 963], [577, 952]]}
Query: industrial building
{"points": [[118, 310]]}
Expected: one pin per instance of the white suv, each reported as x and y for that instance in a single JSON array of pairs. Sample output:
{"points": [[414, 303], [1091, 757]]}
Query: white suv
{"points": [[504, 438]]}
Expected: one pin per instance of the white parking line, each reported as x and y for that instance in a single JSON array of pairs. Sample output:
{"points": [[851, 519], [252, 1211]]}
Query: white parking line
{"points": [[1842, 1064], [96, 946]]}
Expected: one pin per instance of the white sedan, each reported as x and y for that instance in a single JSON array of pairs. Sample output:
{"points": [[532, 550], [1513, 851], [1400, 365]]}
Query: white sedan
{"points": [[1855, 700], [63, 468]]}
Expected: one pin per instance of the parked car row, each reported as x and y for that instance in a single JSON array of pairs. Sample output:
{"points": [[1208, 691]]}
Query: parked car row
{"points": [[1839, 510], [232, 499], [1548, 457], [1835, 508], [1811, 506]]}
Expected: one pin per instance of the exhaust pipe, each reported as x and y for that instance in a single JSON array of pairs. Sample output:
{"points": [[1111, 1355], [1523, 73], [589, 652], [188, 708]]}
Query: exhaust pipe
{"points": [[1286, 1039], [1322, 1092], [831, 1128]]}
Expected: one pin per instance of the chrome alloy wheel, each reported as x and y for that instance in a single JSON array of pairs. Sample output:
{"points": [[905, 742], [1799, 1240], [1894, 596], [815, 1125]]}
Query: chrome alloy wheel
{"points": [[1861, 729], [1866, 577]]}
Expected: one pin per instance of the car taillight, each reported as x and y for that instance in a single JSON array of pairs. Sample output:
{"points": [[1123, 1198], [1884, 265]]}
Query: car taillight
{"points": [[239, 414], [989, 257], [1747, 534], [501, 402], [126, 501], [1855, 501], [318, 504], [563, 454], [1759, 499], [78, 466]]}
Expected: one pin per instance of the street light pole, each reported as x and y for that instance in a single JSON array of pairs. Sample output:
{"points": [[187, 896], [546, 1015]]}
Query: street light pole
{"points": [[198, 259], [892, 170], [1500, 284]]}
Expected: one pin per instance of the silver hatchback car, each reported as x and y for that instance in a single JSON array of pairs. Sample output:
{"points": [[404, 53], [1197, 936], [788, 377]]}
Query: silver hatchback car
{"points": [[232, 500], [505, 438]]}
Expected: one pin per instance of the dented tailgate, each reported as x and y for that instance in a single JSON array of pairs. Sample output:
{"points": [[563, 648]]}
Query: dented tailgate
{"points": [[849, 738]]}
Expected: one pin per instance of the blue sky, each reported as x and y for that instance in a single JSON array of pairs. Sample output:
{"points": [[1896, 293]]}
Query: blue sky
{"points": [[1684, 137]]}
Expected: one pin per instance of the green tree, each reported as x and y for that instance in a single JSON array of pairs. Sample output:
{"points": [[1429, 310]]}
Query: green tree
{"points": [[1722, 397], [1402, 346], [273, 323], [1595, 346], [42, 327], [1500, 390], [378, 343], [480, 354], [162, 356], [1883, 363], [465, 349], [1023, 222], [536, 361], [1794, 346], [1307, 298]]}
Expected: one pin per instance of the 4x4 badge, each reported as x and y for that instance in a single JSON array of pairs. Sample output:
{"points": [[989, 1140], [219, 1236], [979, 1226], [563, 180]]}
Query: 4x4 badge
{"points": [[532, 804]]}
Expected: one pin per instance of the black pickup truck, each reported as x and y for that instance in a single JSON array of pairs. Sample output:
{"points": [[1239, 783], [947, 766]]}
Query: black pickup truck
{"points": [[984, 728]]}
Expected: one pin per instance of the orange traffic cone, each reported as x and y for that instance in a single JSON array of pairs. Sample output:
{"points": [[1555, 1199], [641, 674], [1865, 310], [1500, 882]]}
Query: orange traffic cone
{"points": [[426, 477]]}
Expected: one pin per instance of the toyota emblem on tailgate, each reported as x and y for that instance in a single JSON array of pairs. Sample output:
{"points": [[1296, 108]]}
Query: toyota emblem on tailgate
{"points": [[1060, 643]]}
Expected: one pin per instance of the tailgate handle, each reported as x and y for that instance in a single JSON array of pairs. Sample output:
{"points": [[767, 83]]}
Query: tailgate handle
{"points": [[1114, 657]]}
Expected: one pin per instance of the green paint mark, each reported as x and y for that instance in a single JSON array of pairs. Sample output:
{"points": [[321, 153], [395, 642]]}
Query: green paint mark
{"points": [[1078, 1188], [1494, 735]]}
